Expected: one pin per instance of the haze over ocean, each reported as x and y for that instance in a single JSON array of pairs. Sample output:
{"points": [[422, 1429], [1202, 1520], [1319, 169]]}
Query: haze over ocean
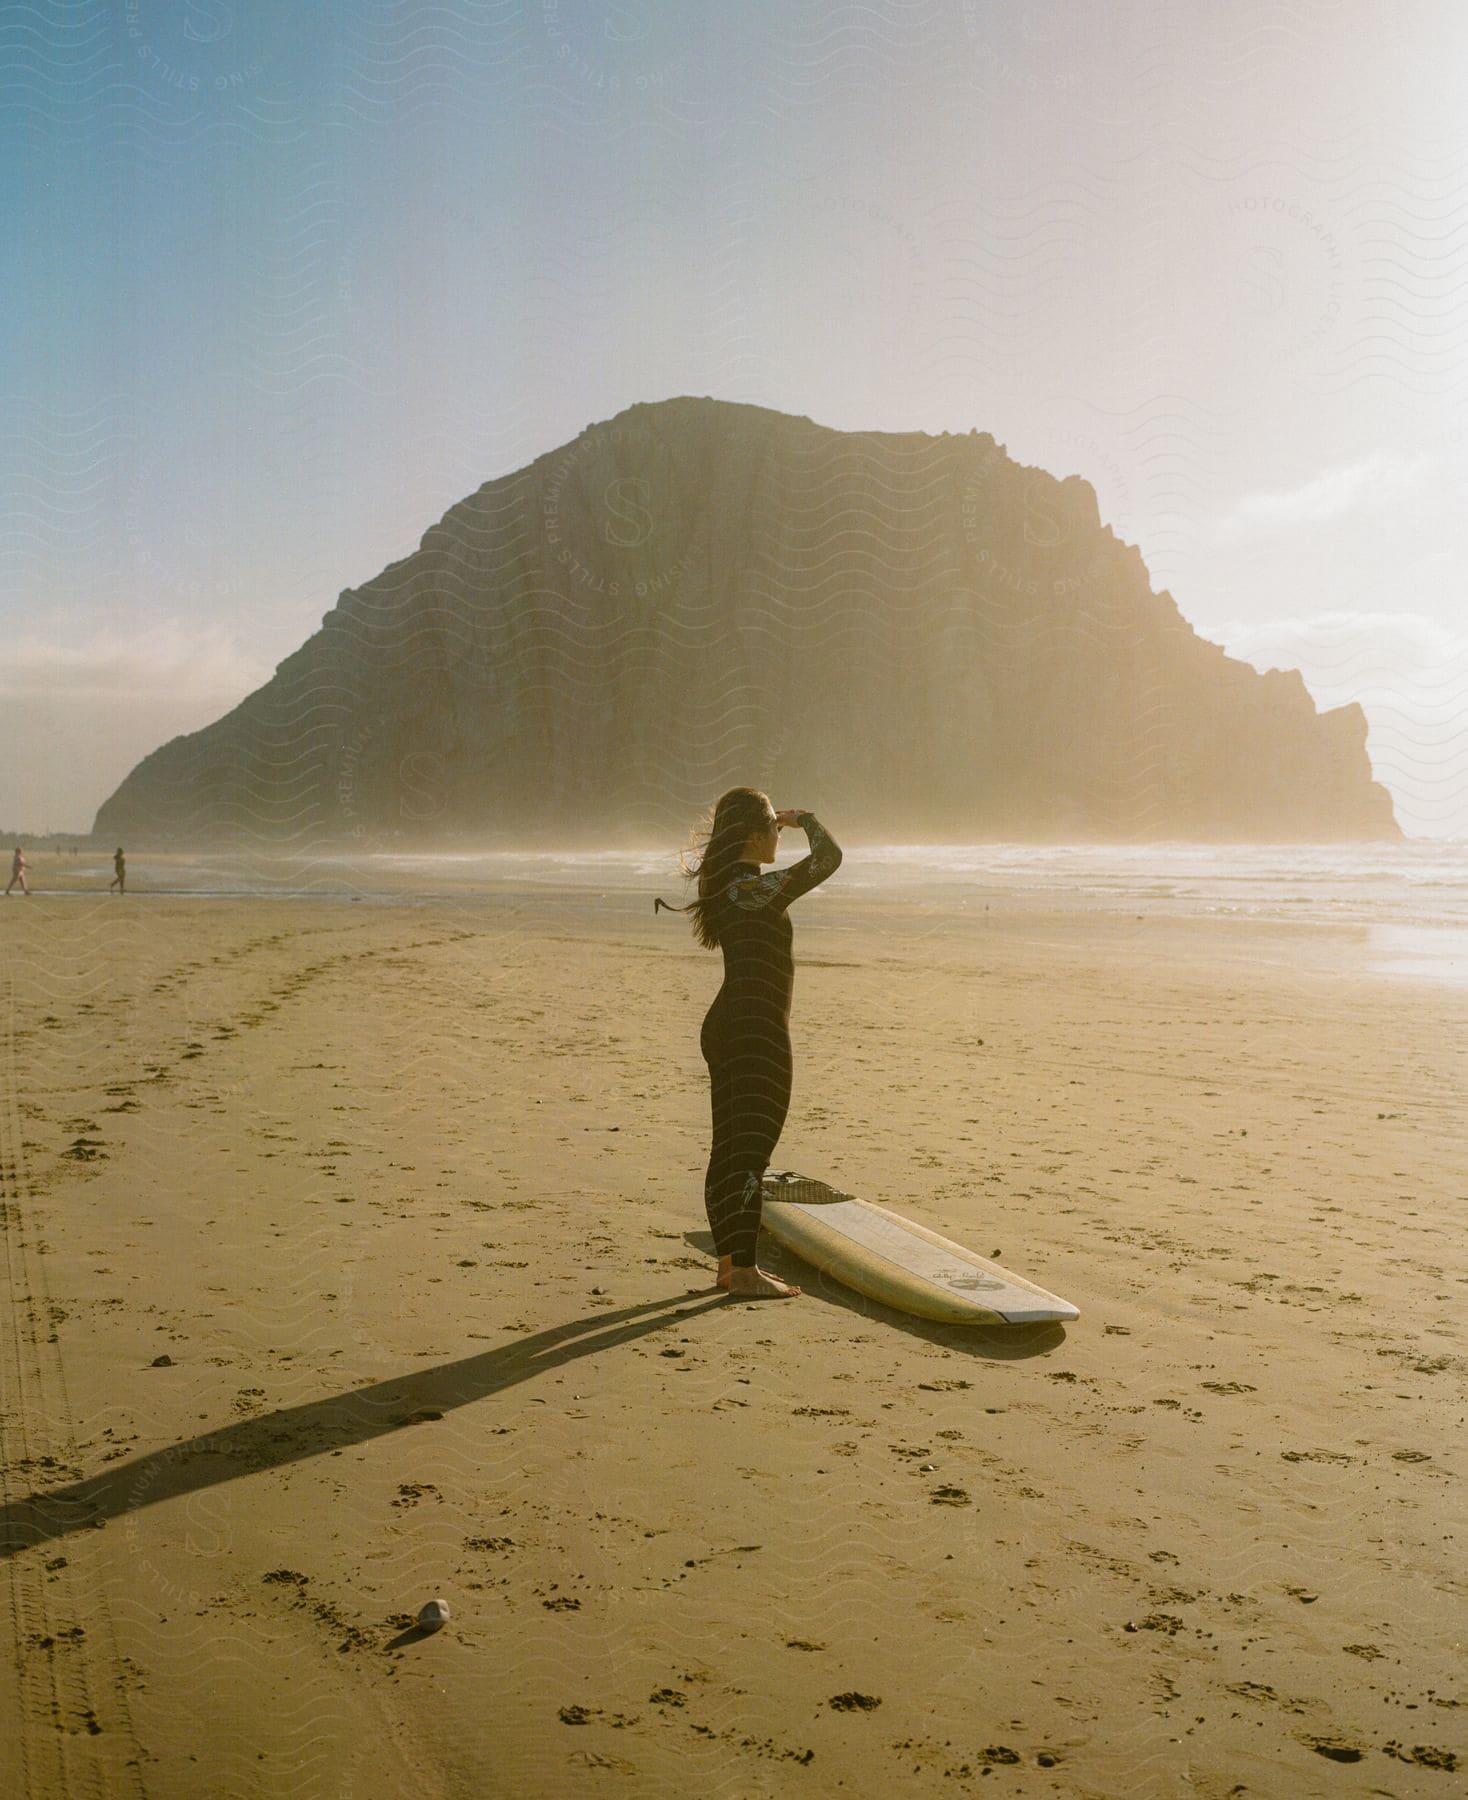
{"points": [[290, 281], [1421, 884]]}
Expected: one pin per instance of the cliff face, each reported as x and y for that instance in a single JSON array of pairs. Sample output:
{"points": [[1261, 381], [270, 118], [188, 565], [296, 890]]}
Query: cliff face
{"points": [[915, 636]]}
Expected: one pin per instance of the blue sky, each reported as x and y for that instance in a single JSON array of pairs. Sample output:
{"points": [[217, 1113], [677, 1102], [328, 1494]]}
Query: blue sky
{"points": [[281, 283]]}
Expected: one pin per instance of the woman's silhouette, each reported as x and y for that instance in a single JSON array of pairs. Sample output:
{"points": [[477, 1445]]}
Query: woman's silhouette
{"points": [[746, 1035]]}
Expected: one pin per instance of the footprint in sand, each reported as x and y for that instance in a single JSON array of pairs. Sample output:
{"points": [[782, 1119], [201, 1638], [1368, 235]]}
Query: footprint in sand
{"points": [[1336, 1749]]}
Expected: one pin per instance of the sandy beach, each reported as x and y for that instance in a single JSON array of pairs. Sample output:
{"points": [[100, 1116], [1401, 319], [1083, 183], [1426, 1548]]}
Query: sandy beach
{"points": [[356, 1256]]}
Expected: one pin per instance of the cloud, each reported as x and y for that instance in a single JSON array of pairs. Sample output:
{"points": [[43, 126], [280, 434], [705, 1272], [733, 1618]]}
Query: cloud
{"points": [[1368, 484], [1349, 651], [172, 664]]}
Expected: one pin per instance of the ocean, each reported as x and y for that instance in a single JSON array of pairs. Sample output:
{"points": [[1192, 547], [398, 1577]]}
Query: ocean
{"points": [[1404, 905]]}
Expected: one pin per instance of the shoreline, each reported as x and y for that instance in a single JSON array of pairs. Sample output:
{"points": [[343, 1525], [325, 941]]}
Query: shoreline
{"points": [[1431, 954]]}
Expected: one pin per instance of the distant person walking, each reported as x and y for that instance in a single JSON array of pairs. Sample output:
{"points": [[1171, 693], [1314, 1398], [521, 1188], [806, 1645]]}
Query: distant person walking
{"points": [[745, 1038], [18, 867], [119, 879]]}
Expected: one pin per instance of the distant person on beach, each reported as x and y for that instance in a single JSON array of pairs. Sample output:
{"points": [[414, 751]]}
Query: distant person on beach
{"points": [[18, 867], [745, 1038], [119, 880]]}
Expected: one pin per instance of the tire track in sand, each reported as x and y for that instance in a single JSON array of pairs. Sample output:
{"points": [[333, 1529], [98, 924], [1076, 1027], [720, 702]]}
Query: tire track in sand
{"points": [[66, 1715]]}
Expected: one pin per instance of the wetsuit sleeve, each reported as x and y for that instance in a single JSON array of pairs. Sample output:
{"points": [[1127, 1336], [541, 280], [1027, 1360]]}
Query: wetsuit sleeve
{"points": [[755, 893]]}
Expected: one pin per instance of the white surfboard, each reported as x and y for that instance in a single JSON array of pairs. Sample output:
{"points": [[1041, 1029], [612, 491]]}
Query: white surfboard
{"points": [[891, 1259]]}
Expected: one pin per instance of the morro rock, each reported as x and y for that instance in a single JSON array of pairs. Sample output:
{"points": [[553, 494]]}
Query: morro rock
{"points": [[916, 636]]}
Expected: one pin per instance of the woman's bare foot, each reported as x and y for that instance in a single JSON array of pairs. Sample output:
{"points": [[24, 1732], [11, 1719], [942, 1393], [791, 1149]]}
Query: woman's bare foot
{"points": [[755, 1284]]}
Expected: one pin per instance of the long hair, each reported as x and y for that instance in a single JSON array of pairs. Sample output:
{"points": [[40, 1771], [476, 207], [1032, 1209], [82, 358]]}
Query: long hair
{"points": [[713, 850]]}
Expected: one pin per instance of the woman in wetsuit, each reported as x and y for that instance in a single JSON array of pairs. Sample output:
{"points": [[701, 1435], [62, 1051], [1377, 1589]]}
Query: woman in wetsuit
{"points": [[746, 1034]]}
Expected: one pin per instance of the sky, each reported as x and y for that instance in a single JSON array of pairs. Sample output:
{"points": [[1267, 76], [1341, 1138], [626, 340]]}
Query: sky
{"points": [[282, 283]]}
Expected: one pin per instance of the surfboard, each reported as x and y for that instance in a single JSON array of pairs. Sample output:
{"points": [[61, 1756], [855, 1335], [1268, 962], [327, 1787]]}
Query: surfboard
{"points": [[892, 1259]]}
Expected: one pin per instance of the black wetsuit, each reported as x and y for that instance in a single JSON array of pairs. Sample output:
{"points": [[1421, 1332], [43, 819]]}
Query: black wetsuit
{"points": [[746, 1037]]}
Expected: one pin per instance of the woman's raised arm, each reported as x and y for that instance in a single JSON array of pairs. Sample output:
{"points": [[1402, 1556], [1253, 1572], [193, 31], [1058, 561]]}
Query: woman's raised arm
{"points": [[777, 889]]}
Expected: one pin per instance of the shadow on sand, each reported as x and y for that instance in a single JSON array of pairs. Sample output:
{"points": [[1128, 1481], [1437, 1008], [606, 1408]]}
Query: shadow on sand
{"points": [[294, 1433], [990, 1343]]}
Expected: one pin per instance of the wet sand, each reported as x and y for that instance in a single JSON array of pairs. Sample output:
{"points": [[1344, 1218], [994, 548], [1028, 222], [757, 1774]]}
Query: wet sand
{"points": [[409, 1199]]}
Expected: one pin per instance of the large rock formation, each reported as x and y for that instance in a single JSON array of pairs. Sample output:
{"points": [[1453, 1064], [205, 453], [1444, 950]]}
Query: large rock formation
{"points": [[916, 636]]}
